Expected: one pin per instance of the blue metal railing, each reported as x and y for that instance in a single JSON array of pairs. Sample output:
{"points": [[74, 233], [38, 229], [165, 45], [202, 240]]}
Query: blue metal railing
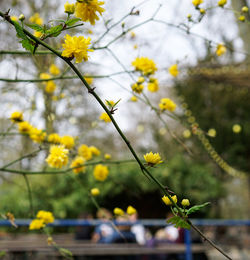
{"points": [[145, 222]]}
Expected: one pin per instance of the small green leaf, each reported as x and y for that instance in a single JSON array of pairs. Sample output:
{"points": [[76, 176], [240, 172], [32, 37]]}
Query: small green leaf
{"points": [[72, 21], [117, 102], [54, 31], [178, 222], [197, 208], [66, 253], [36, 27]]}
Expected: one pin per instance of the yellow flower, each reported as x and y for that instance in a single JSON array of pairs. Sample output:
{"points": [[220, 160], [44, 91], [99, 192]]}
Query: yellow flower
{"points": [[50, 87], [152, 158], [87, 10], [16, 117], [110, 103], [14, 18], [36, 224], [68, 141], [78, 161], [24, 127], [202, 11], [37, 34], [95, 192], [221, 3], [140, 80], [133, 98], [45, 216], [189, 16], [220, 49], [173, 70], [54, 70], [167, 201], [242, 18], [76, 47], [197, 2], [186, 133], [69, 8], [54, 138], [131, 210], [211, 132], [132, 34], [185, 203], [145, 65], [153, 85], [37, 135], [107, 156], [236, 128], [58, 156], [94, 150], [45, 76], [137, 88], [36, 19], [85, 152], [101, 172], [105, 117], [167, 104], [118, 212], [135, 46], [89, 80], [244, 9]]}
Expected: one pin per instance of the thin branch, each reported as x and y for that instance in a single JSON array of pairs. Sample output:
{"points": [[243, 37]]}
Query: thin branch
{"points": [[29, 194]]}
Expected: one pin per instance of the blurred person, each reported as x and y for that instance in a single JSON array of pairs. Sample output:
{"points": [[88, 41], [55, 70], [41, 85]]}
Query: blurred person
{"points": [[138, 229]]}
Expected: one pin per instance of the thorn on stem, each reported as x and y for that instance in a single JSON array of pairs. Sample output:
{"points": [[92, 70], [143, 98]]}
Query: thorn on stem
{"points": [[91, 90]]}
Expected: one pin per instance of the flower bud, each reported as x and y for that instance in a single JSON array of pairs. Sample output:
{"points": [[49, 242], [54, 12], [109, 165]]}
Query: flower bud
{"points": [[21, 17], [185, 203]]}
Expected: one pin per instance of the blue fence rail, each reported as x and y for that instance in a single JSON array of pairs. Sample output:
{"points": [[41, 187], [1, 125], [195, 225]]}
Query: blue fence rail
{"points": [[145, 222]]}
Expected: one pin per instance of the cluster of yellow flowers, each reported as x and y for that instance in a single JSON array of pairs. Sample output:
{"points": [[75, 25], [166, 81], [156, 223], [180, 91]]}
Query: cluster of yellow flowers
{"points": [[152, 158], [168, 202], [101, 172], [120, 212], [58, 156], [105, 117], [66, 140], [42, 218], [167, 104], [145, 65], [220, 49], [50, 85]]}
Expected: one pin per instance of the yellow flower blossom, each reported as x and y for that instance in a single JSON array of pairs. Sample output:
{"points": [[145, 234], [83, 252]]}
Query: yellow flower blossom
{"points": [[153, 85], [132, 34], [76, 47], [135, 46], [244, 9], [14, 18], [95, 192], [173, 70], [87, 10], [68, 141], [45, 76], [78, 161], [89, 80], [69, 8], [131, 210], [236, 128], [140, 80], [220, 49], [186, 133], [110, 103], [95, 151], [144, 65], [24, 127], [137, 88], [16, 117], [133, 98], [105, 117], [46, 216], [58, 156], [107, 156], [152, 158], [197, 2], [36, 19], [221, 3], [185, 203], [54, 70], [118, 212], [85, 152], [101, 172], [242, 18], [54, 138], [167, 201], [36, 224], [211, 132], [50, 87], [37, 34], [202, 11], [167, 104], [37, 135]]}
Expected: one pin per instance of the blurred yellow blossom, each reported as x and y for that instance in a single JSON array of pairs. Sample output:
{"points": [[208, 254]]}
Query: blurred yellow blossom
{"points": [[68, 141], [16, 117], [95, 151], [24, 127], [50, 87], [76, 47], [137, 88], [242, 18], [211, 132], [202, 11], [69, 8], [54, 138], [152, 158], [46, 216], [89, 80], [131, 210], [14, 18], [85, 152], [36, 224], [58, 156], [221, 3], [244, 9], [153, 85], [167, 104], [133, 98], [87, 10], [37, 34], [197, 2], [107, 156], [118, 212], [167, 201], [36, 19], [101, 172], [105, 117], [236, 128], [186, 133], [220, 49], [45, 76], [173, 70], [185, 203], [37, 135], [78, 164], [54, 70], [144, 65], [95, 192]]}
